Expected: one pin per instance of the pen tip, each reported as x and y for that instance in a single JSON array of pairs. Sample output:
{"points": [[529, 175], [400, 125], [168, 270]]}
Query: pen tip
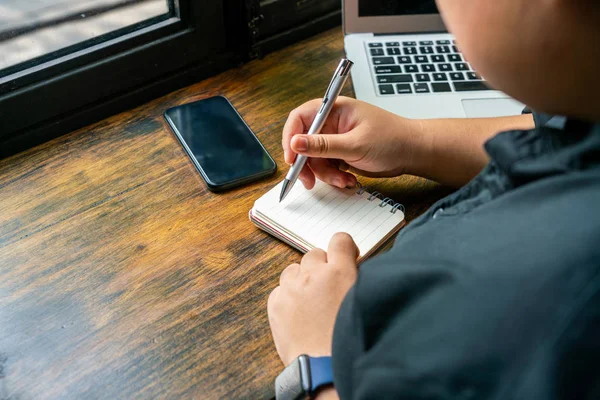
{"points": [[284, 190]]}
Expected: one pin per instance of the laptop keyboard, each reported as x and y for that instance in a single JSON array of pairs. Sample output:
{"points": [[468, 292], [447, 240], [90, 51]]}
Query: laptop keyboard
{"points": [[425, 66]]}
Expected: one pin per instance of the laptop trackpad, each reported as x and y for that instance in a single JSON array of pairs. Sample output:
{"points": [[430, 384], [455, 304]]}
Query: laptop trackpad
{"points": [[481, 108]]}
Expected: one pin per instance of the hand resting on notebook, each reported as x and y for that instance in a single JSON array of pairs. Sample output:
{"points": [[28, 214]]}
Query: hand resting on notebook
{"points": [[314, 290]]}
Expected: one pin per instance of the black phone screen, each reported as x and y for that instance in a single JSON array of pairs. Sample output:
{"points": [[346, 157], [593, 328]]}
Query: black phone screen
{"points": [[222, 146]]}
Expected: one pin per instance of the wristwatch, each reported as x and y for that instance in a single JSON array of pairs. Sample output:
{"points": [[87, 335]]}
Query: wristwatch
{"points": [[303, 378]]}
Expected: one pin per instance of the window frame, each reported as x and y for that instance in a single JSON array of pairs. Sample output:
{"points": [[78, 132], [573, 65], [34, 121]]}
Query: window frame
{"points": [[48, 100]]}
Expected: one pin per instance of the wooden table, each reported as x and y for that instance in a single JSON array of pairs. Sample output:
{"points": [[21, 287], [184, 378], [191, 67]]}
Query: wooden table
{"points": [[122, 276]]}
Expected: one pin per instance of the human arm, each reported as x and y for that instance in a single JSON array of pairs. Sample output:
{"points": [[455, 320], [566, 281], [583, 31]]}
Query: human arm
{"points": [[370, 141], [451, 150]]}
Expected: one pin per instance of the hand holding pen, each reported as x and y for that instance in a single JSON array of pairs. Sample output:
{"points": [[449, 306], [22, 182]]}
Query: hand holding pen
{"points": [[333, 90], [359, 139]]}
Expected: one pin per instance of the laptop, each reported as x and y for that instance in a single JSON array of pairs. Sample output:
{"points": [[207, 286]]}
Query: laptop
{"points": [[406, 62]]}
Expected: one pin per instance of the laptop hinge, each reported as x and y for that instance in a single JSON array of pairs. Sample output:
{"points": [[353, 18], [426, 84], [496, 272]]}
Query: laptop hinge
{"points": [[408, 33]]}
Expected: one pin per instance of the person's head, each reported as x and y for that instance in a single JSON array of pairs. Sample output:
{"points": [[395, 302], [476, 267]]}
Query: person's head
{"points": [[545, 53]]}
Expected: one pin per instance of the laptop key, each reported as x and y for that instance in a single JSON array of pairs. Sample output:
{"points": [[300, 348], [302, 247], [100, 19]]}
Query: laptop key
{"points": [[394, 78], [393, 51], [426, 50], [427, 68], [457, 76], [386, 89], [409, 43], [404, 60], [422, 77], [383, 60], [441, 87], [454, 57], [440, 76], [455, 49], [388, 69], [375, 45], [442, 42], [426, 43], [410, 68], [421, 88], [470, 85], [442, 49], [377, 52], [410, 50], [437, 58], [444, 67], [403, 88], [473, 76], [392, 44], [421, 59], [461, 67]]}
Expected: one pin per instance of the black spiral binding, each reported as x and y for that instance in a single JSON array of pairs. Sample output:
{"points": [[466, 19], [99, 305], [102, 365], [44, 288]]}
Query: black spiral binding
{"points": [[376, 195]]}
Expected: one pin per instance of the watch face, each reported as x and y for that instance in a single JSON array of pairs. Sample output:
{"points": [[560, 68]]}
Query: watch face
{"points": [[290, 385]]}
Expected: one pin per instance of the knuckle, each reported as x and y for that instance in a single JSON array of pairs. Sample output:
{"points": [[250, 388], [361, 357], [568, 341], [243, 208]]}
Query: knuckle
{"points": [[287, 271], [338, 272], [293, 113], [271, 298], [321, 145], [304, 280], [315, 251]]}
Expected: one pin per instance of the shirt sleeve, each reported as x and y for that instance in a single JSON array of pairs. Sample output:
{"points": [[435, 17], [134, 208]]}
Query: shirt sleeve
{"points": [[435, 331], [540, 119], [383, 334]]}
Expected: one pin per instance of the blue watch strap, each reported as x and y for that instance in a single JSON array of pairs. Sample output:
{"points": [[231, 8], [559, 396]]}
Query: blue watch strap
{"points": [[320, 372]]}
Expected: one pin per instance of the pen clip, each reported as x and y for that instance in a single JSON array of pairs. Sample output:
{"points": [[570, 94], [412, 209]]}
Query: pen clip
{"points": [[342, 70]]}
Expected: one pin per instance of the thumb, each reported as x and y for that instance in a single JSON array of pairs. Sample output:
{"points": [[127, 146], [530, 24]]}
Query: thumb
{"points": [[342, 249], [339, 146]]}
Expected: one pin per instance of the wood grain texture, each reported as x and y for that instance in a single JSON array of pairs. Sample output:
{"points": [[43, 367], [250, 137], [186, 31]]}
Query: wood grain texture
{"points": [[122, 276]]}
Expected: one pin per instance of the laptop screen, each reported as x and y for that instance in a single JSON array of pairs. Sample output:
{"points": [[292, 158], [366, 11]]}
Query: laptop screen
{"points": [[379, 8]]}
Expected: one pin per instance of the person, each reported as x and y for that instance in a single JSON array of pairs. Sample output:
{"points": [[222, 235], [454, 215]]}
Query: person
{"points": [[493, 293]]}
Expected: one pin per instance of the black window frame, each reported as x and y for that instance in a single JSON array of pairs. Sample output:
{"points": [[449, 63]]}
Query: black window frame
{"points": [[63, 94], [164, 54]]}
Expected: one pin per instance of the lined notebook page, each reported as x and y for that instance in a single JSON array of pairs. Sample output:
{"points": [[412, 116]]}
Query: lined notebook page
{"points": [[313, 216]]}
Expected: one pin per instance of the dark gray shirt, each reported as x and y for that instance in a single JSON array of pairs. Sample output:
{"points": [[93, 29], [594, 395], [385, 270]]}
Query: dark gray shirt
{"points": [[494, 293]]}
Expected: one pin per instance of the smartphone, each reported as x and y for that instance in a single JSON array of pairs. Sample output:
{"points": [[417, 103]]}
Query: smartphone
{"points": [[223, 148]]}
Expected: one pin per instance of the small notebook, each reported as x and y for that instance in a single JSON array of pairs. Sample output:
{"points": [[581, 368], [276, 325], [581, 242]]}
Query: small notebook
{"points": [[307, 219]]}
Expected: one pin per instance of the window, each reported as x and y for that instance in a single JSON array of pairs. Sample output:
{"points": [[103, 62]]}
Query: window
{"points": [[117, 53], [34, 31], [68, 63]]}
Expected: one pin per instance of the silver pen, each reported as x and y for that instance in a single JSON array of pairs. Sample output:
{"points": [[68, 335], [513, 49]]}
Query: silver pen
{"points": [[335, 87]]}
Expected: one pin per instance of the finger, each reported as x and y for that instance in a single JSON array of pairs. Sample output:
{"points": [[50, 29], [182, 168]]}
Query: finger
{"points": [[307, 177], [342, 249], [342, 146], [289, 273], [343, 166], [315, 256], [298, 122], [325, 171]]}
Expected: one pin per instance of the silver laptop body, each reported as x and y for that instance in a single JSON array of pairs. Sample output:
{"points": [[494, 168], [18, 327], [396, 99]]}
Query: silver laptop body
{"points": [[406, 62]]}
